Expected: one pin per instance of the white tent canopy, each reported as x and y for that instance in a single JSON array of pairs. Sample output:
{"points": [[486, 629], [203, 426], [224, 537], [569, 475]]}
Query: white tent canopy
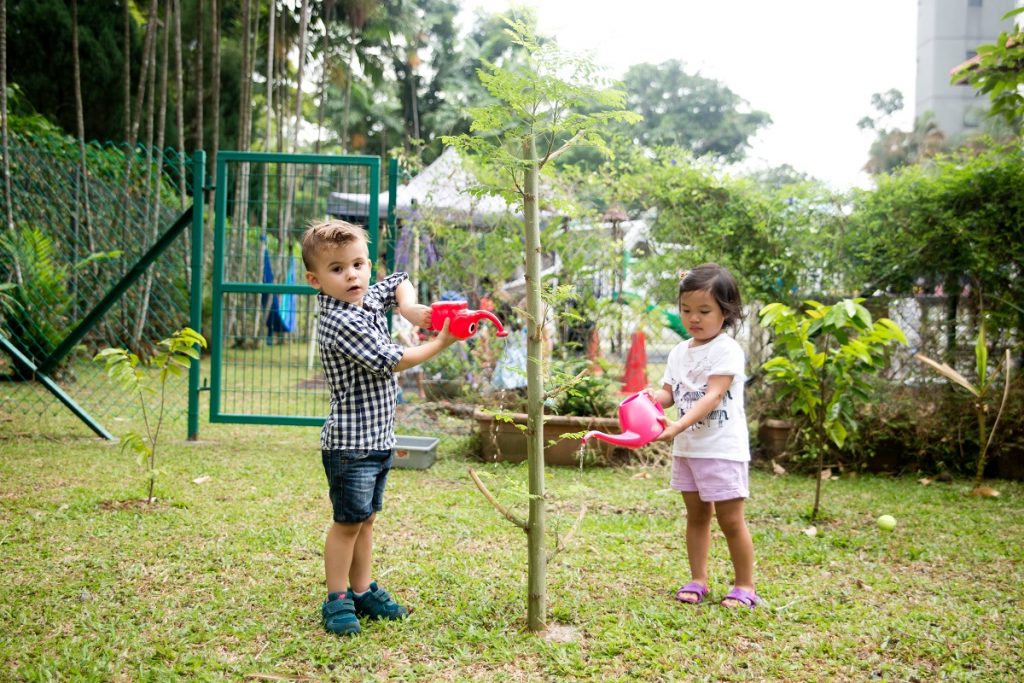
{"points": [[442, 187]]}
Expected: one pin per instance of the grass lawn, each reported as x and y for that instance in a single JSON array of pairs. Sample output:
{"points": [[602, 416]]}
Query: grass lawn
{"points": [[223, 580]]}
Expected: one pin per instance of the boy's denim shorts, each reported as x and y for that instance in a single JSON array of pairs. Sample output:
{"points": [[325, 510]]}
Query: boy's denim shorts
{"points": [[356, 479]]}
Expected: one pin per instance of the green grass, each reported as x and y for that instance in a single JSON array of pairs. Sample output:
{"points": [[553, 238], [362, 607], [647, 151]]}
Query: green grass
{"points": [[223, 580]]}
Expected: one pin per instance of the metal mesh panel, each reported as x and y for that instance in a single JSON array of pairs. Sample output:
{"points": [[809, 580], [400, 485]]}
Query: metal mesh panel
{"points": [[267, 366], [75, 236]]}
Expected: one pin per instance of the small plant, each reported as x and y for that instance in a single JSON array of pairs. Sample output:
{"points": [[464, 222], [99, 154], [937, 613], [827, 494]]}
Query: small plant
{"points": [[578, 391], [37, 307], [822, 360], [981, 392], [173, 357]]}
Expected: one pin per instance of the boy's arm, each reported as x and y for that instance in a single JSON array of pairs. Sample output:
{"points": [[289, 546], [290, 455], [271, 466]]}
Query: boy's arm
{"points": [[418, 315], [414, 355], [718, 385]]}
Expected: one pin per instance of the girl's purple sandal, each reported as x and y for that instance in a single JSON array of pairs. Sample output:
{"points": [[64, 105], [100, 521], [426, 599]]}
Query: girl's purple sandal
{"points": [[744, 597], [695, 588]]}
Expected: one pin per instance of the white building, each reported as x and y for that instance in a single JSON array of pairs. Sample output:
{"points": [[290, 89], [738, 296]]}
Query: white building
{"points": [[948, 33]]}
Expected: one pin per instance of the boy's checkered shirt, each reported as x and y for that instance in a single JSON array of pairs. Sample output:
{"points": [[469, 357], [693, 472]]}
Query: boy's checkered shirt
{"points": [[359, 358]]}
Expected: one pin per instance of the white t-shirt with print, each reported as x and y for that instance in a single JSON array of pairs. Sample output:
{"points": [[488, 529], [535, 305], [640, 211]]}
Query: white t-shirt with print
{"points": [[723, 433]]}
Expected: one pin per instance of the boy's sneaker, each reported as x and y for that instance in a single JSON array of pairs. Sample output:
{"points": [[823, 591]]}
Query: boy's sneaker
{"points": [[377, 604], [340, 615]]}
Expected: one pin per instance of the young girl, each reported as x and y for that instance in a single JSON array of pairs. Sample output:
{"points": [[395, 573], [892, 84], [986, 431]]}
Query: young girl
{"points": [[704, 378]]}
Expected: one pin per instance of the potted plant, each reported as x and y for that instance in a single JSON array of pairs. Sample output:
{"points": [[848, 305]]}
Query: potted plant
{"points": [[585, 402]]}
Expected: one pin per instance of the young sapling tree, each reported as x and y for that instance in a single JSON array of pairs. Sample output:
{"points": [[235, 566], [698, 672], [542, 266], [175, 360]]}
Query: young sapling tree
{"points": [[543, 105], [174, 356]]}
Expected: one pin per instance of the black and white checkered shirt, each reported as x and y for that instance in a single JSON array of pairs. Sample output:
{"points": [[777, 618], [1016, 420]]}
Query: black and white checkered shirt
{"points": [[359, 360]]}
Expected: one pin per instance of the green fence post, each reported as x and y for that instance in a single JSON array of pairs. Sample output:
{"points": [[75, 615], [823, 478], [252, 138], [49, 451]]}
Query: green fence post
{"points": [[373, 219], [196, 303], [392, 199]]}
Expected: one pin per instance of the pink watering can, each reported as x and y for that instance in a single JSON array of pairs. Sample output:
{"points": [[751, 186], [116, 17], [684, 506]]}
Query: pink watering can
{"points": [[463, 322], [638, 418]]}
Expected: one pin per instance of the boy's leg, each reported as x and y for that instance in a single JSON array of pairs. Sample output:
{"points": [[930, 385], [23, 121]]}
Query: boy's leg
{"points": [[361, 569], [698, 540], [338, 554], [741, 547]]}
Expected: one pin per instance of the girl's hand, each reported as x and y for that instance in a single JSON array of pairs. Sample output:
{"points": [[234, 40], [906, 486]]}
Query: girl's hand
{"points": [[670, 432]]}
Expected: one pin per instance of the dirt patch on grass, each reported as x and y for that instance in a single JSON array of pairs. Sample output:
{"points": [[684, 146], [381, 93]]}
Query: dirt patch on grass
{"points": [[137, 505]]}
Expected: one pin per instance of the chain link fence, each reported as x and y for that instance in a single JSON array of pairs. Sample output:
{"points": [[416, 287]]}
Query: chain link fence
{"points": [[77, 230]]}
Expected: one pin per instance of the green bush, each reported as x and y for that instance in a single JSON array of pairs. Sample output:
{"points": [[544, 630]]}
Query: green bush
{"points": [[587, 395]]}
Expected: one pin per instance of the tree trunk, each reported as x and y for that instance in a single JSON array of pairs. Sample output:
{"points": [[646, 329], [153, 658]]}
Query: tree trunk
{"points": [[240, 219], [348, 90], [215, 79], [200, 74], [83, 215], [179, 111], [147, 55], [268, 133], [126, 71], [951, 287], [8, 211], [303, 26], [152, 198], [537, 599]]}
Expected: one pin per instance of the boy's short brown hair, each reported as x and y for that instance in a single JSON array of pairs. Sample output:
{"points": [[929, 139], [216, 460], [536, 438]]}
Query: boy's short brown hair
{"points": [[331, 232]]}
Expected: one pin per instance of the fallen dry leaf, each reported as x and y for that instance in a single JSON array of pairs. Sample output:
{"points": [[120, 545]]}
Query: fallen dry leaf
{"points": [[778, 469], [202, 479], [826, 473], [924, 481], [641, 475], [862, 585], [985, 492]]}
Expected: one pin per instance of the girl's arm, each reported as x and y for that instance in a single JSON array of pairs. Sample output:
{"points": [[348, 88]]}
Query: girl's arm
{"points": [[718, 385]]}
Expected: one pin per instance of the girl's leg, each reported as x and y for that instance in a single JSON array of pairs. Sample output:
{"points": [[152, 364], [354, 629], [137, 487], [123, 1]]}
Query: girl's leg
{"points": [[338, 550], [741, 547], [698, 540], [360, 573]]}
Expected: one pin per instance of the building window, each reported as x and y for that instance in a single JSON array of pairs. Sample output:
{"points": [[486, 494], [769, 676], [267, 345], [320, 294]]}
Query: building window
{"points": [[974, 3]]}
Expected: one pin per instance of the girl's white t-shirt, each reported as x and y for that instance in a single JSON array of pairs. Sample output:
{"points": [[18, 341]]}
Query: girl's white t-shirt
{"points": [[723, 433]]}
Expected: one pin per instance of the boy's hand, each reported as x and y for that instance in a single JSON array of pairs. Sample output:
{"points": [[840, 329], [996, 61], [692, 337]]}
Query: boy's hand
{"points": [[445, 337], [417, 314]]}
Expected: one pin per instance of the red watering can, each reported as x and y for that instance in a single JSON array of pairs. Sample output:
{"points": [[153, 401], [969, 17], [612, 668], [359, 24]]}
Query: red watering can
{"points": [[463, 323], [638, 418]]}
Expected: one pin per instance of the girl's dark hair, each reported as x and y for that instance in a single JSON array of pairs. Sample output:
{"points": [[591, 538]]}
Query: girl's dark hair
{"points": [[711, 277]]}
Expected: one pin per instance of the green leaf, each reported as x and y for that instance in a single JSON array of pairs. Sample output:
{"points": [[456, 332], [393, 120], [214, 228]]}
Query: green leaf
{"points": [[981, 358], [837, 432]]}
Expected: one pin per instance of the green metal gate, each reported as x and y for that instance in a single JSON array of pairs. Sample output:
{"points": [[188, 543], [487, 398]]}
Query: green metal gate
{"points": [[264, 362]]}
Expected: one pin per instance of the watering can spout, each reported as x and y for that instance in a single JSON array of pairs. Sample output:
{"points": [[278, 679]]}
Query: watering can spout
{"points": [[502, 332]]}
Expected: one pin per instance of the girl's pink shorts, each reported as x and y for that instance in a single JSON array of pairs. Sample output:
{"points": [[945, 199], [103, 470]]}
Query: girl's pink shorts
{"points": [[712, 478]]}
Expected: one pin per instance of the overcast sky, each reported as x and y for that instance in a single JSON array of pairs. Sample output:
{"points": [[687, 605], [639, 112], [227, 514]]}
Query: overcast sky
{"points": [[811, 64]]}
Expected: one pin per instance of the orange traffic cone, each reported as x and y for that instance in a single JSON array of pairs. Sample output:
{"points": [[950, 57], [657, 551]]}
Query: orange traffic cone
{"points": [[635, 378]]}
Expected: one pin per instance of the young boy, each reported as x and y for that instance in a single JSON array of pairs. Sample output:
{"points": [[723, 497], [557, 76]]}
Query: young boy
{"points": [[359, 361]]}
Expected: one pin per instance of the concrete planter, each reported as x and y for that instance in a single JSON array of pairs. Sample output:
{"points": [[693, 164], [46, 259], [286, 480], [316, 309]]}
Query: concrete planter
{"points": [[505, 442], [773, 436]]}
